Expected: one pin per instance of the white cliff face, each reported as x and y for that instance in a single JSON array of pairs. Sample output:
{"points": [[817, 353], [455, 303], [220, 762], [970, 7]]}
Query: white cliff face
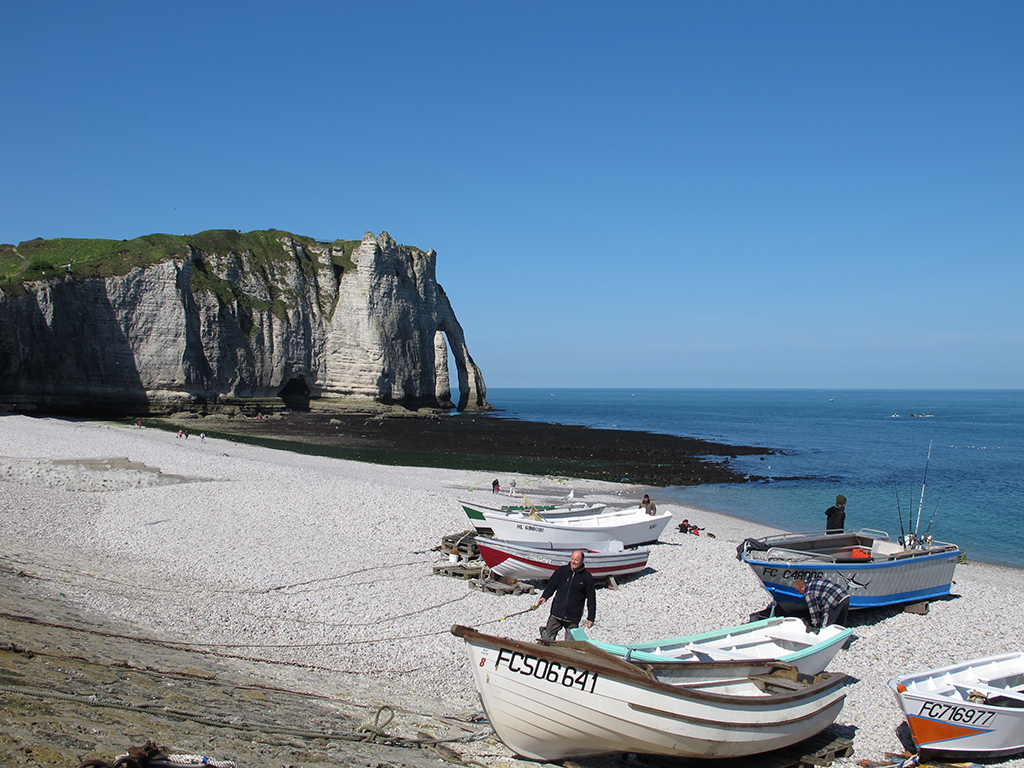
{"points": [[405, 304], [167, 336]]}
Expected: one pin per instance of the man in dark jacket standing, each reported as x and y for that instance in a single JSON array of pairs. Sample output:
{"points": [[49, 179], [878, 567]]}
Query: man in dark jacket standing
{"points": [[835, 517], [573, 586]]}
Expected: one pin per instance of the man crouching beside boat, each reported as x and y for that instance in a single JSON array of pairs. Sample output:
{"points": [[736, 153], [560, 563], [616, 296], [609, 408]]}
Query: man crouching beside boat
{"points": [[572, 585], [827, 602]]}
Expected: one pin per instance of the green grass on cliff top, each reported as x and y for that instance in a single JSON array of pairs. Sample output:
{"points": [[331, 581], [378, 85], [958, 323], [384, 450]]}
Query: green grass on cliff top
{"points": [[83, 259]]}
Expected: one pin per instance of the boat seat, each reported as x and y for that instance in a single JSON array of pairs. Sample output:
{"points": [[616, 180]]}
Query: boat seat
{"points": [[780, 682], [990, 691], [725, 655]]}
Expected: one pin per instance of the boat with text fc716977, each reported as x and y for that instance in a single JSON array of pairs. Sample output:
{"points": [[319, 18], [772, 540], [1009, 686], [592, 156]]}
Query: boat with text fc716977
{"points": [[972, 708], [538, 560], [784, 639], [554, 701], [873, 569]]}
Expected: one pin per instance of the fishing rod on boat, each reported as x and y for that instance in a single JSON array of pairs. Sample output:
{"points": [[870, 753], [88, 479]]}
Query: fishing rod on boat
{"points": [[943, 491], [924, 480], [896, 490]]}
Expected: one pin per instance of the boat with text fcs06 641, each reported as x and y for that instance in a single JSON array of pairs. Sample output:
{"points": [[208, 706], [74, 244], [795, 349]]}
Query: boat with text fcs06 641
{"points": [[555, 701], [874, 570], [973, 708]]}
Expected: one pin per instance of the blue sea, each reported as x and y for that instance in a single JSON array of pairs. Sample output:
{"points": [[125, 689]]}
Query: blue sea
{"points": [[949, 463]]}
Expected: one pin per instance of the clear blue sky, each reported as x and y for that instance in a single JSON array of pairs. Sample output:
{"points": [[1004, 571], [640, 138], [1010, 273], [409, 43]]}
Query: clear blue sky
{"points": [[674, 194]]}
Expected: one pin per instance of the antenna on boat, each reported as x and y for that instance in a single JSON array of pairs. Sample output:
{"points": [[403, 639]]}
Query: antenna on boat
{"points": [[896, 490], [924, 480]]}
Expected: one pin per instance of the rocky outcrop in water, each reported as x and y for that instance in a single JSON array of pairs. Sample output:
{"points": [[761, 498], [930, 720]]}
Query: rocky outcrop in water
{"points": [[209, 328]]}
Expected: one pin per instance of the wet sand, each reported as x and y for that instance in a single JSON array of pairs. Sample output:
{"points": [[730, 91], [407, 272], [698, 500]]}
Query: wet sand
{"points": [[475, 441]]}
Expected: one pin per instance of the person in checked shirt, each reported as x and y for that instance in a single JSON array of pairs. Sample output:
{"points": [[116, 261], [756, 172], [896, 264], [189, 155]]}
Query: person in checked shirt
{"points": [[827, 602]]}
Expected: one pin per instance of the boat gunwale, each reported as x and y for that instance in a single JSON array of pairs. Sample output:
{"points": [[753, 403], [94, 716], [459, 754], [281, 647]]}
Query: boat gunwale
{"points": [[515, 547], [858, 537], [642, 651], [623, 671], [950, 669], [513, 511]]}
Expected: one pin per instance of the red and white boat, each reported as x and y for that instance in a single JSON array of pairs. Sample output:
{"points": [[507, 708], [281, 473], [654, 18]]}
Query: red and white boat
{"points": [[538, 560]]}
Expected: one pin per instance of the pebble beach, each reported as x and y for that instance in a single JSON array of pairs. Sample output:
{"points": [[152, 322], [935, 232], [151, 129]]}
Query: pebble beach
{"points": [[327, 565]]}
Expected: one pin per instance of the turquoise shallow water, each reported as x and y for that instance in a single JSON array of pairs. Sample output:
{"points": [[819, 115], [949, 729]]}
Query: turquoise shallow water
{"points": [[870, 445]]}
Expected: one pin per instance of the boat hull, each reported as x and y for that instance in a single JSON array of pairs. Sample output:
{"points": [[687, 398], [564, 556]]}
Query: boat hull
{"points": [[783, 639], [632, 527], [551, 702], [883, 578], [521, 561], [944, 719]]}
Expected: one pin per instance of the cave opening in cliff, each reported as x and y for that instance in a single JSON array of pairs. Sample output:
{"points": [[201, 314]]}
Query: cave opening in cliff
{"points": [[453, 381], [296, 394]]}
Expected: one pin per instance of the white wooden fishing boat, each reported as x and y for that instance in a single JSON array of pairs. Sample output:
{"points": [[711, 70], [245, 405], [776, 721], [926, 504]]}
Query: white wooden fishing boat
{"points": [[538, 560], [873, 569], [784, 639], [972, 708], [476, 511], [632, 527], [554, 701]]}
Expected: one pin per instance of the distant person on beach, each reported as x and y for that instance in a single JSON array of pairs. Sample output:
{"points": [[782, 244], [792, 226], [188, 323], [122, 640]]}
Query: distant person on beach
{"points": [[495, 486], [827, 602], [650, 506], [573, 587], [512, 487], [835, 517]]}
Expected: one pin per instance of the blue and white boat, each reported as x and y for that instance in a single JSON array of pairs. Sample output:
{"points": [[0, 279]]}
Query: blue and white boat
{"points": [[873, 569]]}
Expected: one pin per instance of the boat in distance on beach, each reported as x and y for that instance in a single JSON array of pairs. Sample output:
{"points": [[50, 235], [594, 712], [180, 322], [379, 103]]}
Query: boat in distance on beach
{"points": [[781, 638], [873, 569], [476, 511], [554, 701], [538, 560], [632, 527], [972, 708]]}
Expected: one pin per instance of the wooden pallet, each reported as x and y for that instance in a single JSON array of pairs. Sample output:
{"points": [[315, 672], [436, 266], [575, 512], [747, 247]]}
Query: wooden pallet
{"points": [[499, 587], [461, 570], [828, 753], [463, 544]]}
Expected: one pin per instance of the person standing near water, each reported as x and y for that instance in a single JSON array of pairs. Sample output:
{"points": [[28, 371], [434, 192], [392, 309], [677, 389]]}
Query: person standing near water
{"points": [[650, 506], [835, 517], [573, 587]]}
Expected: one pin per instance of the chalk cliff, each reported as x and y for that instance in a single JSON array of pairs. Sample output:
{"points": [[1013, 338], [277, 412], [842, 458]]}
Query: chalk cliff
{"points": [[208, 327]]}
